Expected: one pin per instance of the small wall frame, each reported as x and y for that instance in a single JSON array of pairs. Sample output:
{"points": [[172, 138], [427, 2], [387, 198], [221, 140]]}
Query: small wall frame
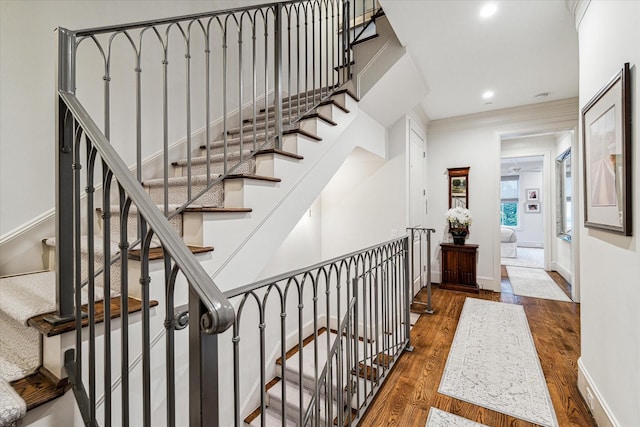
{"points": [[459, 187]]}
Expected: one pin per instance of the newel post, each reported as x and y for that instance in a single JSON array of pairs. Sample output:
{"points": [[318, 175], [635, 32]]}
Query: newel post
{"points": [[65, 82], [204, 396]]}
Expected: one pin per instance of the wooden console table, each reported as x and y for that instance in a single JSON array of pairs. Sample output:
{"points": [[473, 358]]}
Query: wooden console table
{"points": [[459, 267]]}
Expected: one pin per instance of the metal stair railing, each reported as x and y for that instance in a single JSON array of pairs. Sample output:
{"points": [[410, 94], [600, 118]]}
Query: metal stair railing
{"points": [[298, 58], [283, 58], [362, 299], [421, 237]]}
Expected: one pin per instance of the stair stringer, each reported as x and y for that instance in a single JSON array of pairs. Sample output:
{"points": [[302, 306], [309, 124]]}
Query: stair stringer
{"points": [[277, 210]]}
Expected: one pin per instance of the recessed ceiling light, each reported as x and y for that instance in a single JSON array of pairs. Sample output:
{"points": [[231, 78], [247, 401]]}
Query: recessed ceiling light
{"points": [[488, 10], [488, 94]]}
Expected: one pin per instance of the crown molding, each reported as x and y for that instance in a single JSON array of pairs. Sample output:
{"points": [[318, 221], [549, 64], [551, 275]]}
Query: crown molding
{"points": [[577, 8], [558, 114]]}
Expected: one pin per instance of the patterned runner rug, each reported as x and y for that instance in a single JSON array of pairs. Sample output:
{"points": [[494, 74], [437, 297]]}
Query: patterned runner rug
{"points": [[493, 363], [440, 418], [536, 283]]}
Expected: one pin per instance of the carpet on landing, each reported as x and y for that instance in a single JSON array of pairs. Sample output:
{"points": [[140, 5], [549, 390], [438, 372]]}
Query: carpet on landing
{"points": [[440, 418], [536, 283]]}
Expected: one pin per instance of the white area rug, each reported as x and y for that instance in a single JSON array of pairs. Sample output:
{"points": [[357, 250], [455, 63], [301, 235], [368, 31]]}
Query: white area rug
{"points": [[536, 283], [493, 363], [527, 257], [440, 418]]}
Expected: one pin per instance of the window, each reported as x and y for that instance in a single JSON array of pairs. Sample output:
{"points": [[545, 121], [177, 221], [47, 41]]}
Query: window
{"points": [[509, 200]]}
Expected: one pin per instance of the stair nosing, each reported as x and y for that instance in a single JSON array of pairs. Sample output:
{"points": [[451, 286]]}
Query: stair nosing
{"points": [[216, 209], [48, 330], [281, 153], [158, 253], [55, 390], [253, 177]]}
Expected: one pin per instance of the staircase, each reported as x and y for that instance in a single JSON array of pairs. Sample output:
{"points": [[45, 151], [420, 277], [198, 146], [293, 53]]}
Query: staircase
{"points": [[236, 184]]}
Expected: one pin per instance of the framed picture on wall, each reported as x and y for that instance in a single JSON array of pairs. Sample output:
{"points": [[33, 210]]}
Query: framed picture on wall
{"points": [[532, 207], [606, 135], [533, 194], [458, 187]]}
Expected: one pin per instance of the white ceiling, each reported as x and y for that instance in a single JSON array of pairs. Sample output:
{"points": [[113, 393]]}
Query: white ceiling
{"points": [[519, 165], [528, 47]]}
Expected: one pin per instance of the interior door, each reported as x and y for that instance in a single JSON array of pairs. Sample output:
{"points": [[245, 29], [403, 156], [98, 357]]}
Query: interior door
{"points": [[417, 201]]}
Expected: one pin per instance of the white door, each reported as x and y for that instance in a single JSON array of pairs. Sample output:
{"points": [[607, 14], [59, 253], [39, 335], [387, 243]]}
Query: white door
{"points": [[417, 201]]}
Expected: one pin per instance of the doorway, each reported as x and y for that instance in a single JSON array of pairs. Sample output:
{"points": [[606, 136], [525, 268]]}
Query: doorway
{"points": [[519, 154], [522, 231]]}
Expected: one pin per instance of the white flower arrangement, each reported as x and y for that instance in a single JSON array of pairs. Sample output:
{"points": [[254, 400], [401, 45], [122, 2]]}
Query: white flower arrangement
{"points": [[459, 217]]}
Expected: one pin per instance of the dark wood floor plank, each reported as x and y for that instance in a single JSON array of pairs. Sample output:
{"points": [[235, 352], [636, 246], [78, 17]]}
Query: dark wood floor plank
{"points": [[412, 387]]}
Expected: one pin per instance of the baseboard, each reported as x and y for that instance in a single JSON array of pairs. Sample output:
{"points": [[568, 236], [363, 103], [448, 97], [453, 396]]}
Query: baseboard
{"points": [[596, 404], [484, 282], [537, 245], [488, 283], [566, 274]]}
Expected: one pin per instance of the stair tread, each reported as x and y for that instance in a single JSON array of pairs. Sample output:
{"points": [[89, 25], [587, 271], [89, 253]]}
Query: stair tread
{"points": [[293, 399], [280, 152], [219, 157], [84, 245], [295, 99], [158, 253], [233, 141], [38, 389], [254, 177], [23, 297], [272, 418], [134, 209], [302, 132], [181, 180], [249, 419], [217, 209], [49, 330]]}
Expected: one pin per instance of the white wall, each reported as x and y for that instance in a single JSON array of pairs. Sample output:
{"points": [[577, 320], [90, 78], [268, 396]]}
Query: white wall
{"points": [[302, 246], [364, 204], [531, 231], [474, 141], [609, 263]]}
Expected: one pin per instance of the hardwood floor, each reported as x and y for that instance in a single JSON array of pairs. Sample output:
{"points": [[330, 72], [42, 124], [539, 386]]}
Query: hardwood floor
{"points": [[412, 387]]}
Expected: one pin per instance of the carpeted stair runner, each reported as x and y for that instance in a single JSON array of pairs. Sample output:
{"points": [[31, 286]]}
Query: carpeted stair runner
{"points": [[12, 407], [21, 298]]}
